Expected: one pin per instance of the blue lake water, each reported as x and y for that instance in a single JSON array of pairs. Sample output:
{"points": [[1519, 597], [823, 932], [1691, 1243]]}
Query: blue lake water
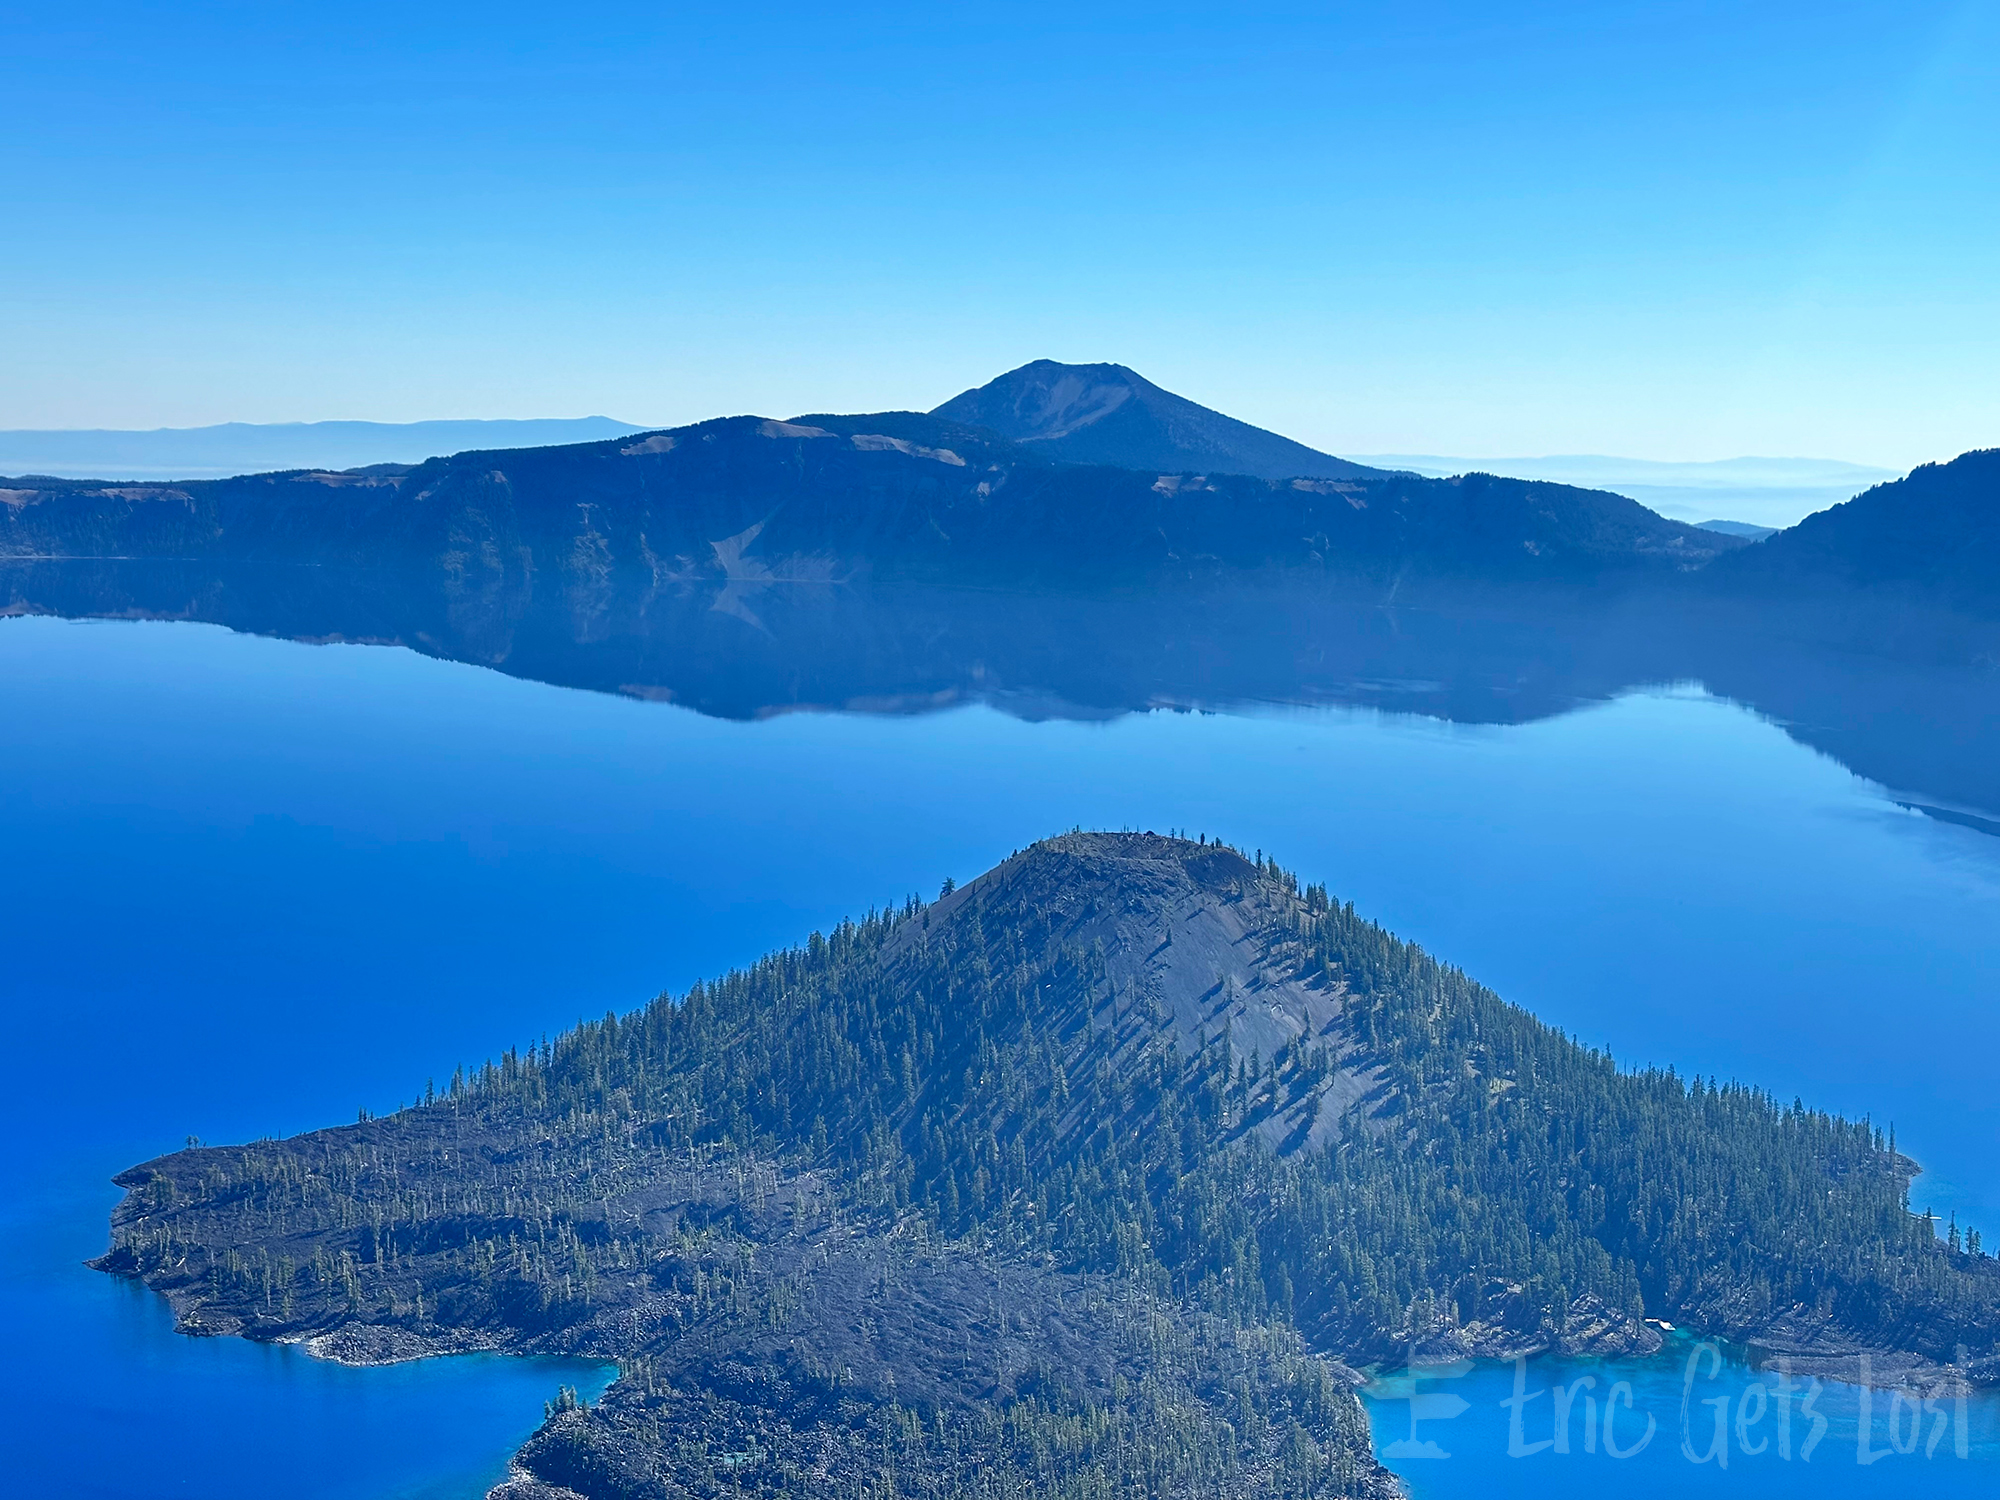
{"points": [[249, 886]]}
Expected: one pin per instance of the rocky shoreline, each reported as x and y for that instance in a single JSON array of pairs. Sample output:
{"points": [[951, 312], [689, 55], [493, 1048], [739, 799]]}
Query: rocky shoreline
{"points": [[1105, 1171]]}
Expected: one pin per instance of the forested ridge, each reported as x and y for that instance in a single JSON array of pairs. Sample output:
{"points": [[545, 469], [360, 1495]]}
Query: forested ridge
{"points": [[1097, 1168], [893, 496]]}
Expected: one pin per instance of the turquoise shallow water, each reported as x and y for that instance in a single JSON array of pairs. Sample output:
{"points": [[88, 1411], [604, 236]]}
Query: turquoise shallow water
{"points": [[248, 886]]}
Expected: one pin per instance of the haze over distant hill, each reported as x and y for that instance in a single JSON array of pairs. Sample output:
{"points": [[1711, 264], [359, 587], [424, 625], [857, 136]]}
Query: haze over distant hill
{"points": [[1932, 538], [898, 495], [1767, 493], [1107, 414], [1073, 413], [249, 447], [1053, 474]]}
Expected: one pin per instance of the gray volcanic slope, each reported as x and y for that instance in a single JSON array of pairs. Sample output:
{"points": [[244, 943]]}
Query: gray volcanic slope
{"points": [[1205, 952], [1107, 414]]}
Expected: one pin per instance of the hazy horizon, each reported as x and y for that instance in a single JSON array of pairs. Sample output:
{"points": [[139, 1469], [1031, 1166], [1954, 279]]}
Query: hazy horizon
{"points": [[1505, 498], [1765, 491], [1762, 490], [1380, 231]]}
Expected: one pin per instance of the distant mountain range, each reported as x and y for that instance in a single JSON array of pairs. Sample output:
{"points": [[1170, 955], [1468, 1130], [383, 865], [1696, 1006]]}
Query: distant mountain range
{"points": [[1092, 414], [897, 495], [247, 447], [902, 559], [1052, 475], [1749, 531], [1764, 493], [1095, 414], [1107, 414]]}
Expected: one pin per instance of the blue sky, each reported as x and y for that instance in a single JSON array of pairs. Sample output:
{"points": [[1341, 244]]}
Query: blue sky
{"points": [[1680, 230]]}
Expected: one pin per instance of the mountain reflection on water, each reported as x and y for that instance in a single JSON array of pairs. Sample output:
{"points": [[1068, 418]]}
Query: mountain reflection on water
{"points": [[252, 887], [1906, 699]]}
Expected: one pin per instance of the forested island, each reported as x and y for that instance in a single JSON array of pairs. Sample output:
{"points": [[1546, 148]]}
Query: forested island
{"points": [[1100, 1174]]}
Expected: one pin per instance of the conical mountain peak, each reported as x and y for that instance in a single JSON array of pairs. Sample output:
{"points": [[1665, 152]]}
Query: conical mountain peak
{"points": [[1198, 945], [1109, 414]]}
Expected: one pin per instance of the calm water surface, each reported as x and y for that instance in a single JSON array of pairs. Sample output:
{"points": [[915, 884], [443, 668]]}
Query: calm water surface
{"points": [[249, 886]]}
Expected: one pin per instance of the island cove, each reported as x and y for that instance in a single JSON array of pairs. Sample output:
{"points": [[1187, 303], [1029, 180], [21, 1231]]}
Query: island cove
{"points": [[1108, 1168]]}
